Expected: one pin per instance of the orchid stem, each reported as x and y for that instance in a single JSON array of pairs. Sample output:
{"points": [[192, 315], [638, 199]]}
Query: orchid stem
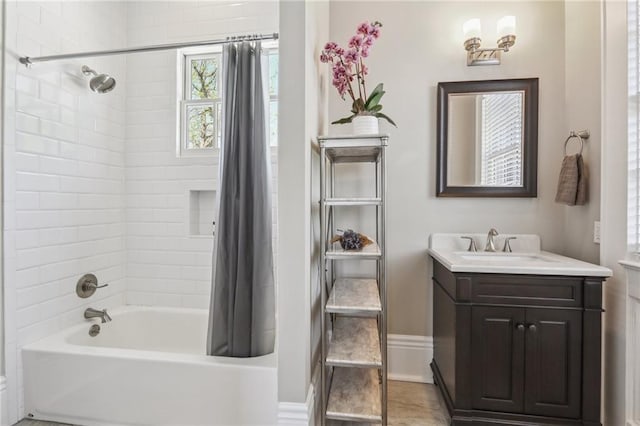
{"points": [[359, 80], [364, 87]]}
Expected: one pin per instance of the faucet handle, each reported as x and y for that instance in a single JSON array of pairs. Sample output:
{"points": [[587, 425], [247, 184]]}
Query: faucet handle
{"points": [[507, 245], [87, 285], [472, 243]]}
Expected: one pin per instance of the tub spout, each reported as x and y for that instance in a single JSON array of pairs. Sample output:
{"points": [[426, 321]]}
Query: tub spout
{"points": [[96, 313]]}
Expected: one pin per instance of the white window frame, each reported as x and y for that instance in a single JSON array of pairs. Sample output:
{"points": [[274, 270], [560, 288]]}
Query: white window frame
{"points": [[183, 91], [184, 87]]}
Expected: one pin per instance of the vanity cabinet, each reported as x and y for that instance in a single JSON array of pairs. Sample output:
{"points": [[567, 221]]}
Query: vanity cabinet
{"points": [[527, 360], [517, 349]]}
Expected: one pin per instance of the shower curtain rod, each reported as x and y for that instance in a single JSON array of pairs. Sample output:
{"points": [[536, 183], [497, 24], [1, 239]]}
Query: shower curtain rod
{"points": [[27, 60]]}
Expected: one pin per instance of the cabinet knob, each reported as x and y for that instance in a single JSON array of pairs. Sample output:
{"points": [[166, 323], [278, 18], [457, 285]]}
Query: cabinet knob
{"points": [[533, 328], [520, 327]]}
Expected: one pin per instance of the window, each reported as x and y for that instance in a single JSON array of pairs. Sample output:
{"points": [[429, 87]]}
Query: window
{"points": [[272, 67], [633, 129], [201, 99], [202, 106], [501, 132]]}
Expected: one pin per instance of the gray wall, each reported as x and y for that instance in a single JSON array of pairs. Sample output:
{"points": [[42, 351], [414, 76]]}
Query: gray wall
{"points": [[583, 100], [303, 116], [421, 45], [461, 150]]}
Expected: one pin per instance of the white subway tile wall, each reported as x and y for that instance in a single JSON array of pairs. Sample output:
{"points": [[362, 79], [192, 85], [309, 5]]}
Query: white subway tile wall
{"points": [[92, 182], [64, 170], [166, 265]]}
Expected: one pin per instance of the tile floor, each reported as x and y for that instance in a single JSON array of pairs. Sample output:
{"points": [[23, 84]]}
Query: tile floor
{"points": [[415, 404], [410, 404]]}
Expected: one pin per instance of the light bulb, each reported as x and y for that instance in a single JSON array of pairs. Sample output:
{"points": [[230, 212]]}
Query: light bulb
{"points": [[507, 26], [471, 28]]}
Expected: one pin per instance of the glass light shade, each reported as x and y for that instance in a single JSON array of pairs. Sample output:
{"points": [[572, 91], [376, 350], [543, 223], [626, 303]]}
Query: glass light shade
{"points": [[507, 26], [471, 28]]}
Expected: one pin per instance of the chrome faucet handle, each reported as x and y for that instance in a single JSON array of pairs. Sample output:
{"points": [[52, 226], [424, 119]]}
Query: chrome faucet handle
{"points": [[472, 243], [87, 285], [491, 246], [507, 245]]}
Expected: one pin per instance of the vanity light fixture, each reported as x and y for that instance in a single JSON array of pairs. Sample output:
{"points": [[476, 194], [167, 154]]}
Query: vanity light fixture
{"points": [[492, 56]]}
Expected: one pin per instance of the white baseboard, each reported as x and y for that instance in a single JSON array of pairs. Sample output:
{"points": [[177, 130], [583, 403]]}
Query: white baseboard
{"points": [[293, 414], [298, 413], [409, 357]]}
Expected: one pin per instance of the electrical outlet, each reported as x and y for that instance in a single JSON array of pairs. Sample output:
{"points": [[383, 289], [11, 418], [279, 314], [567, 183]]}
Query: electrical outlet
{"points": [[596, 232]]}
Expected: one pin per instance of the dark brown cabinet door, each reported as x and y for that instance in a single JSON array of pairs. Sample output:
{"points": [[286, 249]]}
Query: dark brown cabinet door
{"points": [[497, 339], [553, 362]]}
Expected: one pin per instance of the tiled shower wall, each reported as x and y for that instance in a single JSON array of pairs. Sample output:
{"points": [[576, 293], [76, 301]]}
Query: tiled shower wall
{"points": [[93, 183], [165, 264], [63, 171]]}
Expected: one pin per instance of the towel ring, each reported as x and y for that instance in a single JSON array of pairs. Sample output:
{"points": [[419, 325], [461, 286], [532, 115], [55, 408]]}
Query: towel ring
{"points": [[581, 135]]}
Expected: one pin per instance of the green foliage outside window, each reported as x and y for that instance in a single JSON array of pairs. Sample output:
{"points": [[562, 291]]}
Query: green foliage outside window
{"points": [[204, 85], [203, 109]]}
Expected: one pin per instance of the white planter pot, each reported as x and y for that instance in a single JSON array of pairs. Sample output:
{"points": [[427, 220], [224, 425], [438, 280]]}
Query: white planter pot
{"points": [[365, 125]]}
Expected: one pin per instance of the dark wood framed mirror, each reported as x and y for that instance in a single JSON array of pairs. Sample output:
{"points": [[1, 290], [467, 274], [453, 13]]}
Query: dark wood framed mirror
{"points": [[487, 142]]}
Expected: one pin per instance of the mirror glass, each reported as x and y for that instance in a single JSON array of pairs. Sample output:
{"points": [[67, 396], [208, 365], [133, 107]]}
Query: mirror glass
{"points": [[487, 138]]}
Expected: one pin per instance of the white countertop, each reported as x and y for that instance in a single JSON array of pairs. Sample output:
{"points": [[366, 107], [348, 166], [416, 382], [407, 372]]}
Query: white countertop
{"points": [[526, 258]]}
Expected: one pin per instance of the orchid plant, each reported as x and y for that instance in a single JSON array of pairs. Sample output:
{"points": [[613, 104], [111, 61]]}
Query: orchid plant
{"points": [[349, 72]]}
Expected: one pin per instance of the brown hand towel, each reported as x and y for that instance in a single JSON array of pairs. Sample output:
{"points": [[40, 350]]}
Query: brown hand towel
{"points": [[583, 183], [573, 181]]}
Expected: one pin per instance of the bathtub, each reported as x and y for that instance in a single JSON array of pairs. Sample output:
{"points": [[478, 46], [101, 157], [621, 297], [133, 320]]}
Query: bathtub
{"points": [[146, 367]]}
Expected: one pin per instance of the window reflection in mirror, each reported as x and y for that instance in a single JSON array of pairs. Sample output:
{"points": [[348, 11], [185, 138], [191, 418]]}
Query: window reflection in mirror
{"points": [[485, 139]]}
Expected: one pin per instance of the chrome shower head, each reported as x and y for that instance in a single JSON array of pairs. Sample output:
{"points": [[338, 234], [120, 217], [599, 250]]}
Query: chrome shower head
{"points": [[100, 83]]}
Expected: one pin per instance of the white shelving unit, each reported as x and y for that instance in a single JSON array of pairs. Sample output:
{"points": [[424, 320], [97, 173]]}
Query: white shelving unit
{"points": [[354, 324]]}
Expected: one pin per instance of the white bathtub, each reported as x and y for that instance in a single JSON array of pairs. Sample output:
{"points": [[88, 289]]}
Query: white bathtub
{"points": [[146, 367]]}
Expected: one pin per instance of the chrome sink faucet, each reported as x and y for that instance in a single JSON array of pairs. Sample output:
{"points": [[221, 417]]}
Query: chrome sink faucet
{"points": [[507, 246], [472, 244], [491, 245], [96, 313]]}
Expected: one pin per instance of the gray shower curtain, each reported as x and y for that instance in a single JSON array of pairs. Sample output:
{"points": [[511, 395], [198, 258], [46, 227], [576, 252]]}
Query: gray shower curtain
{"points": [[242, 311]]}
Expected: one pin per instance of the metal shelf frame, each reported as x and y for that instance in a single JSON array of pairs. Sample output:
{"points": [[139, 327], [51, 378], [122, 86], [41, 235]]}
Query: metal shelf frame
{"points": [[338, 150]]}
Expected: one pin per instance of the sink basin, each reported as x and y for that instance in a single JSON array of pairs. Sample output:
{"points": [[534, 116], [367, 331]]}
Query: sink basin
{"points": [[502, 257], [527, 257]]}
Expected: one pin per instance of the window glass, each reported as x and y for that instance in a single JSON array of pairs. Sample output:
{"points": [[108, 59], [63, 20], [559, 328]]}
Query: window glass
{"points": [[204, 78], [201, 102], [502, 139], [273, 123], [201, 128], [273, 73]]}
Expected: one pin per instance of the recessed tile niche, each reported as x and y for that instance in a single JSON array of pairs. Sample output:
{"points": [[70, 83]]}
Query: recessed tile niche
{"points": [[202, 212]]}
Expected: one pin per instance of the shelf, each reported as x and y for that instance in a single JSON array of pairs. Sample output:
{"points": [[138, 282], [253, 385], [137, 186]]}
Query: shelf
{"points": [[355, 343], [202, 208], [355, 395], [353, 360], [352, 139], [354, 296], [372, 251], [353, 149], [353, 202]]}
